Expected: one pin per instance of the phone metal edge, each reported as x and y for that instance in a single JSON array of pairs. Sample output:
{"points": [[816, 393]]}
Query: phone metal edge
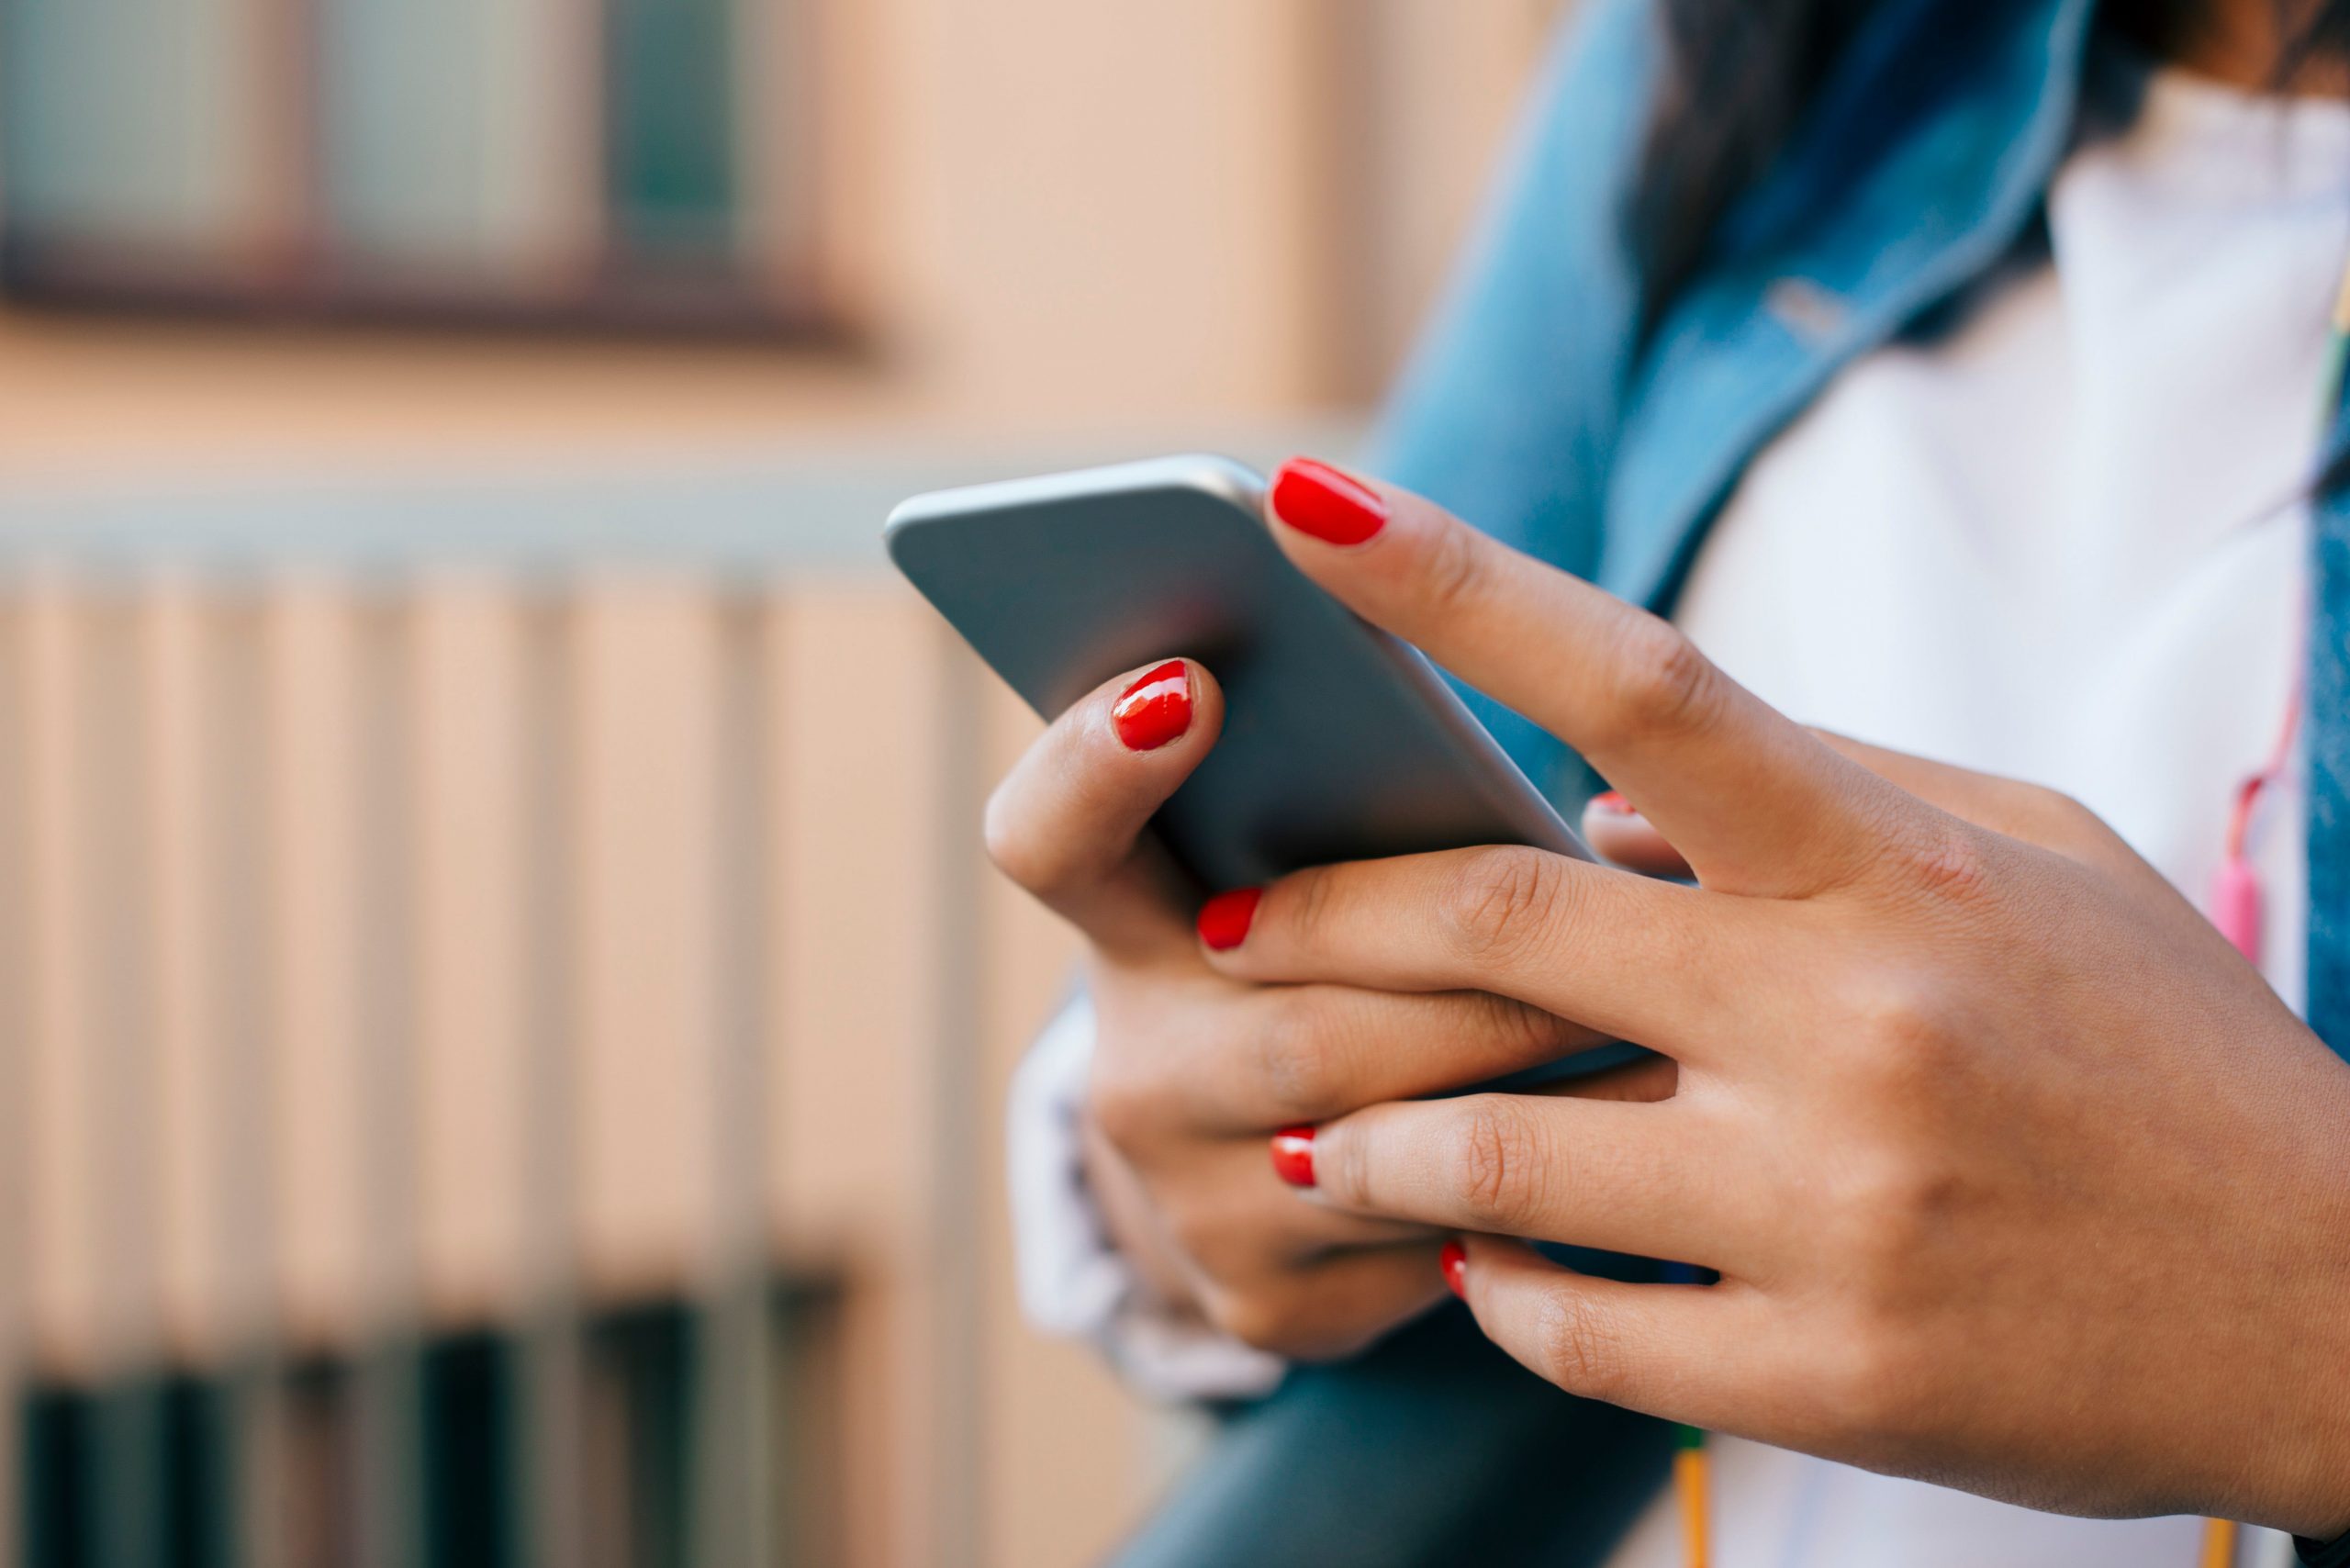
{"points": [[1220, 476]]}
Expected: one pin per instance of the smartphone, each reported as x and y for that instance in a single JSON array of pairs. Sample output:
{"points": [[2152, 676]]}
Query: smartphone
{"points": [[1340, 742]]}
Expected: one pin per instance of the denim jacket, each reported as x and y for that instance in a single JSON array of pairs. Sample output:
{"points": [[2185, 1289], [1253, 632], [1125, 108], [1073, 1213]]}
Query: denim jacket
{"points": [[1535, 412]]}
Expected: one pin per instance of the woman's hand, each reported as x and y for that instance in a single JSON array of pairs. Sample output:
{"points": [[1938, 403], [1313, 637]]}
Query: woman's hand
{"points": [[2016, 1177], [1192, 1070]]}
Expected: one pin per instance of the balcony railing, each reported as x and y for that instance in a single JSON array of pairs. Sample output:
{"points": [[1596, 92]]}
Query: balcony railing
{"points": [[500, 1027]]}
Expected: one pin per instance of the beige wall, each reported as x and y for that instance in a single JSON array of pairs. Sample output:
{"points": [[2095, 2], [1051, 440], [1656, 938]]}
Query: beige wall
{"points": [[1056, 223], [1049, 214]]}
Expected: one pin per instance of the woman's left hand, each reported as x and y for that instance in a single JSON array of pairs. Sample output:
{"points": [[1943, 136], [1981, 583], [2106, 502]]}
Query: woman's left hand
{"points": [[2016, 1175]]}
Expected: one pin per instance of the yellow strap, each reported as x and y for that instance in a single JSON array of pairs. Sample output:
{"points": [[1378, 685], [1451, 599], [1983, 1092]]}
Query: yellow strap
{"points": [[1689, 1481], [2218, 1543]]}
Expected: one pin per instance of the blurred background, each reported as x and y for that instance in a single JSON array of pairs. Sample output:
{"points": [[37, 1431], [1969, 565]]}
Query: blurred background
{"points": [[502, 1020]]}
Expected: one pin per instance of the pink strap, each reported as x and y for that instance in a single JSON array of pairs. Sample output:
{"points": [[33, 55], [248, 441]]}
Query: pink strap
{"points": [[2235, 906]]}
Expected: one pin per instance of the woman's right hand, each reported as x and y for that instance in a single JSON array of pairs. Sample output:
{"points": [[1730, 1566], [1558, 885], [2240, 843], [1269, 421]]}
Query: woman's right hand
{"points": [[1192, 1071]]}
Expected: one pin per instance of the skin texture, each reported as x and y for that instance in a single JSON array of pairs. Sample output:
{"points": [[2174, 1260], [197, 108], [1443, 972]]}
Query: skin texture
{"points": [[2017, 1176], [1196, 1070]]}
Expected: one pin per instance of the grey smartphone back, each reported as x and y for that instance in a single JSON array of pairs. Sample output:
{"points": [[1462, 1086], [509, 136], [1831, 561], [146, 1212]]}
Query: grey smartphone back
{"points": [[1341, 742]]}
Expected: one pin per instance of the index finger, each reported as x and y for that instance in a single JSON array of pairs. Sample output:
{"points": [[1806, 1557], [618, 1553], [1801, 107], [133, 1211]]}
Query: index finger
{"points": [[1754, 801]]}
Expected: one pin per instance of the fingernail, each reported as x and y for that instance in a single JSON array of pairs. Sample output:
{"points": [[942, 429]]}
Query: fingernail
{"points": [[1156, 709], [1226, 918], [1612, 802], [1455, 1259], [1293, 1156], [1335, 508]]}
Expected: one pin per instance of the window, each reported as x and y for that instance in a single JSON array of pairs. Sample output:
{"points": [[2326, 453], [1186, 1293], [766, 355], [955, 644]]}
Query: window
{"points": [[424, 1451], [641, 164], [132, 1473]]}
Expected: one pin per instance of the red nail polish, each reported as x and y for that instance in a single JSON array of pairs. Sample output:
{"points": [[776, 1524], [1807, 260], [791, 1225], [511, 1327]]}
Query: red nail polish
{"points": [[1156, 709], [1226, 918], [1613, 802], [1292, 1153], [1455, 1258], [1335, 508]]}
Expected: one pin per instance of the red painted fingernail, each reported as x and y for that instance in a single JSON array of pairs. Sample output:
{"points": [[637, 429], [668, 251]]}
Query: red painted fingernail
{"points": [[1612, 802], [1293, 1156], [1156, 709], [1226, 918], [1455, 1258], [1335, 508]]}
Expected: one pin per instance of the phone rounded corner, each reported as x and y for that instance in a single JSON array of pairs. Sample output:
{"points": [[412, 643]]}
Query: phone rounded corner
{"points": [[1227, 479], [900, 531], [904, 516]]}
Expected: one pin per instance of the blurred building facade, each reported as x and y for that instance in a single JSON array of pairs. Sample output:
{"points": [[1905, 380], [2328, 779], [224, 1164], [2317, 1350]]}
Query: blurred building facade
{"points": [[502, 1025]]}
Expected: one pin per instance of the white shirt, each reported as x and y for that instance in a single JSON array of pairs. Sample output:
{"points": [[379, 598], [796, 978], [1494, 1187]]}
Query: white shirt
{"points": [[2059, 544]]}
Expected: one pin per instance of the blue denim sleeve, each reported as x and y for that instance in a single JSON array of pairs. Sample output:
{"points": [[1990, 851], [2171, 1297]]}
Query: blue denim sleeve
{"points": [[2327, 709], [1506, 413]]}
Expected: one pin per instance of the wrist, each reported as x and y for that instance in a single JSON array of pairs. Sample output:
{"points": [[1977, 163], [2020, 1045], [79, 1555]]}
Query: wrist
{"points": [[2313, 1503], [2310, 1326]]}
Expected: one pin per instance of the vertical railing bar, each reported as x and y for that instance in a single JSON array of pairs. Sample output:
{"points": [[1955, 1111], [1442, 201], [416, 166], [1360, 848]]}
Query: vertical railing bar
{"points": [[235, 696], [15, 1030], [548, 1437], [113, 861], [732, 1444], [388, 1385], [958, 1329]]}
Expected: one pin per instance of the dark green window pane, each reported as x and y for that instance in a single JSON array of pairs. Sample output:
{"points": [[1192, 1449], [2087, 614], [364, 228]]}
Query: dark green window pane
{"points": [[469, 1484], [670, 125], [199, 1474], [138, 1474], [58, 1490]]}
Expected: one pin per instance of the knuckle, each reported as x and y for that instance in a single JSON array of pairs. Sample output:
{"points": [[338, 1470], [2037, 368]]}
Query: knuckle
{"points": [[1663, 685], [1307, 906], [1578, 1347], [1300, 1058], [1947, 861], [1498, 901], [1252, 1318], [1207, 1238], [1887, 1204], [2069, 818], [1523, 1031], [1499, 1166], [1124, 1103], [2066, 824], [1889, 1209], [1277, 1321], [1453, 576], [1906, 1036], [1344, 1164]]}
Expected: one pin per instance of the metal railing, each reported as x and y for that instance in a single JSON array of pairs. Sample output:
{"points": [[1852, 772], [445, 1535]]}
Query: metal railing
{"points": [[492, 979]]}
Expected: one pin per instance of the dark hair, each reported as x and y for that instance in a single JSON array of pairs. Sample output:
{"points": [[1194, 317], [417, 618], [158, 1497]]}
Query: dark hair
{"points": [[1740, 75]]}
